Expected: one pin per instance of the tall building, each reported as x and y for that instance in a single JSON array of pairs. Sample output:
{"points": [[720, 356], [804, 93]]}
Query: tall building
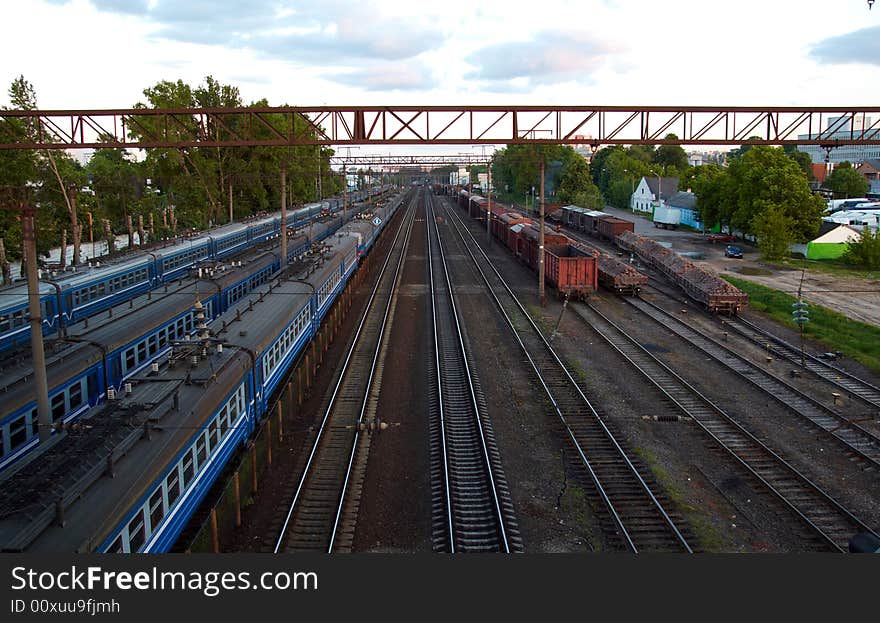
{"points": [[851, 153]]}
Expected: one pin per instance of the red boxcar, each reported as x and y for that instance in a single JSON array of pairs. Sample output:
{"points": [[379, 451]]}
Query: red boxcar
{"points": [[527, 248], [503, 228], [571, 270], [610, 227]]}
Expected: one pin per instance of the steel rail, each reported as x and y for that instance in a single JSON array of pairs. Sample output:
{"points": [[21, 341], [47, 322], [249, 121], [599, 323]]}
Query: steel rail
{"points": [[406, 224], [820, 511], [636, 479], [474, 415], [850, 383], [854, 437]]}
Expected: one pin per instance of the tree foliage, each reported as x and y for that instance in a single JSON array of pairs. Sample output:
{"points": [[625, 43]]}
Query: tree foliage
{"points": [[775, 231], [845, 181], [517, 169], [195, 181], [865, 251]]}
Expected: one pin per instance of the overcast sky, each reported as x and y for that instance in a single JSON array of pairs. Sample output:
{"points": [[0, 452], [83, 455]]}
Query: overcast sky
{"points": [[103, 53]]}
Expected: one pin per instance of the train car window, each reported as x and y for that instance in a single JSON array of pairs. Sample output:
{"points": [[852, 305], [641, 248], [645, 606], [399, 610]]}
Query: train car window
{"points": [[136, 532], [157, 510], [17, 433], [4, 323], [153, 345], [172, 486], [201, 452], [2, 444], [142, 351], [129, 359], [214, 434], [223, 420], [116, 546], [58, 406], [187, 468], [163, 338], [75, 395]]}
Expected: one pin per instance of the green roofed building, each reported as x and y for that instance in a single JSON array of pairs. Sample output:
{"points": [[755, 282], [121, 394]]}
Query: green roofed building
{"points": [[832, 244]]}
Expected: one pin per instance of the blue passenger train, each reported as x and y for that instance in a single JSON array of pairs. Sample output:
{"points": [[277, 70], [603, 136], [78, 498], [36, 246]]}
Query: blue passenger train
{"points": [[99, 354], [67, 297], [167, 437]]}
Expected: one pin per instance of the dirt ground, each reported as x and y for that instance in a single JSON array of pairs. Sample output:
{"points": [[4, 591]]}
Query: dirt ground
{"points": [[855, 298]]}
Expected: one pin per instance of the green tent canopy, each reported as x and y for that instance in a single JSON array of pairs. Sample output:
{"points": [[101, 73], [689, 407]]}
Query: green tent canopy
{"points": [[831, 245]]}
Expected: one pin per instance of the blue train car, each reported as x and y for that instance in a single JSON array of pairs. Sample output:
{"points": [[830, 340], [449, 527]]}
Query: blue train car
{"points": [[70, 296]]}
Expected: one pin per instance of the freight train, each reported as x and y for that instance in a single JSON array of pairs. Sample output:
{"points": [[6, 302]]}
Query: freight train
{"points": [[69, 296], [572, 270], [703, 286], [565, 259], [129, 476], [99, 353]]}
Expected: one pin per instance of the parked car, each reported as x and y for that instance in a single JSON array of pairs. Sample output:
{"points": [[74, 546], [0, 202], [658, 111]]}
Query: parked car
{"points": [[733, 251], [720, 238]]}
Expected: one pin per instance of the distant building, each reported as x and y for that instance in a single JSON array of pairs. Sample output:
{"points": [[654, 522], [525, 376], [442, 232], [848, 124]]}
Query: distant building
{"points": [[653, 191], [851, 153], [871, 170], [686, 202]]}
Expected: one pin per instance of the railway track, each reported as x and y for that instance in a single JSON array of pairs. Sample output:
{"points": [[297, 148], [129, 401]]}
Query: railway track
{"points": [[854, 438], [329, 485], [640, 521], [832, 523], [473, 511], [860, 389]]}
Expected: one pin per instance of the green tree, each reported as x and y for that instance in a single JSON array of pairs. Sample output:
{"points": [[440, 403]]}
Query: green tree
{"points": [[802, 158], [672, 158], [712, 186], [765, 177], [577, 187], [845, 181], [774, 230], [865, 251]]}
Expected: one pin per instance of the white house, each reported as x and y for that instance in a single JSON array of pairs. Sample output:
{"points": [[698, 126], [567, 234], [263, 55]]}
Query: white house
{"points": [[651, 191]]}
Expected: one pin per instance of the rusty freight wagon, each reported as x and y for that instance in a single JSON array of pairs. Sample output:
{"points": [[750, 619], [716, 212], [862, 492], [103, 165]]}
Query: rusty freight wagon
{"points": [[589, 222], [503, 228], [571, 270], [620, 277], [573, 216], [529, 241], [610, 227], [717, 295]]}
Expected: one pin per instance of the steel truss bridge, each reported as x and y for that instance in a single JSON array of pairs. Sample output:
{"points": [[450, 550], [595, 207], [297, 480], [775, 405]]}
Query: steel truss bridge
{"points": [[437, 125]]}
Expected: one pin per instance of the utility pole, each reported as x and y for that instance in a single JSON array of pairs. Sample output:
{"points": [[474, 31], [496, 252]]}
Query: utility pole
{"points": [[489, 204], [541, 294], [230, 202], [41, 385], [283, 214], [344, 192]]}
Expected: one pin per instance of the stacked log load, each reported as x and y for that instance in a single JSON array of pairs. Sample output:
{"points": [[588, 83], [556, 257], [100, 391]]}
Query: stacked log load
{"points": [[699, 283]]}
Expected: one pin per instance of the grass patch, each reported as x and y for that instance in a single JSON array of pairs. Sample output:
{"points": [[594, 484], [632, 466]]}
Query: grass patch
{"points": [[537, 314], [710, 539], [828, 267], [578, 370], [855, 339], [577, 500], [751, 270]]}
